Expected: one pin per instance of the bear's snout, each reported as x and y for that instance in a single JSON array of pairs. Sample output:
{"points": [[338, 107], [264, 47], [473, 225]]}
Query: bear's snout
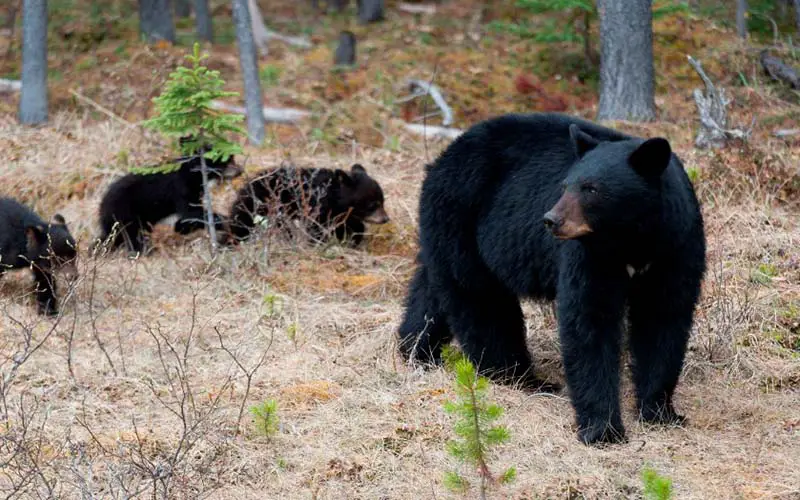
{"points": [[551, 220], [566, 219]]}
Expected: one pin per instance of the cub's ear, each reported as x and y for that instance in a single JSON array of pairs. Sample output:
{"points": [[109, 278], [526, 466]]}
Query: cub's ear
{"points": [[58, 219], [651, 157], [35, 236], [358, 169], [582, 142], [343, 177]]}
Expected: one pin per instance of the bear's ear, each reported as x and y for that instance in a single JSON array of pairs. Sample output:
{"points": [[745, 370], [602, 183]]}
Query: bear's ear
{"points": [[651, 157], [581, 141], [342, 177], [358, 169], [35, 236], [58, 219]]}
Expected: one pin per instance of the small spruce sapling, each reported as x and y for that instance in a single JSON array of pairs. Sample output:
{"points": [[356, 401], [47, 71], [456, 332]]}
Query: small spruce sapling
{"points": [[656, 487], [184, 109], [474, 428], [265, 417]]}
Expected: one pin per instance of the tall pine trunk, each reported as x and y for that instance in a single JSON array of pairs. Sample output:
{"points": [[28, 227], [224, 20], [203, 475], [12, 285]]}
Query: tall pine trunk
{"points": [[33, 99], [248, 59], [741, 20], [155, 20], [183, 8], [797, 15], [202, 20], [627, 76]]}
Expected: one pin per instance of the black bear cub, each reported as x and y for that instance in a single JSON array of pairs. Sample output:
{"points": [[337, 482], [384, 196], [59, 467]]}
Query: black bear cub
{"points": [[136, 202], [326, 200], [552, 207], [27, 241]]}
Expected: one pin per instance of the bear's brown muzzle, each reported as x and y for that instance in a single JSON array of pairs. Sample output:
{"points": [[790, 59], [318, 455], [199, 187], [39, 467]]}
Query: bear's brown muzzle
{"points": [[566, 220]]}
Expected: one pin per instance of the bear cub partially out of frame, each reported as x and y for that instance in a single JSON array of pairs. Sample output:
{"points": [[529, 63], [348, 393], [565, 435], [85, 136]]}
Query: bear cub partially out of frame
{"points": [[552, 207], [28, 241]]}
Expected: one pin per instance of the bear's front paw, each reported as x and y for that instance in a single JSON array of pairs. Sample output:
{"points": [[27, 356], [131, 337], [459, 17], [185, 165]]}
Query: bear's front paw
{"points": [[660, 413], [602, 433]]}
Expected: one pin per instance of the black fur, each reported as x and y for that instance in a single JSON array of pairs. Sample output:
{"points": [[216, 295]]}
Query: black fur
{"points": [[484, 244], [324, 199], [138, 201], [27, 241]]}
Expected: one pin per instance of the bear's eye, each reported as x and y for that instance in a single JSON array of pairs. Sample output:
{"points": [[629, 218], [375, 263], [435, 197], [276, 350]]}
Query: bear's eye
{"points": [[588, 188]]}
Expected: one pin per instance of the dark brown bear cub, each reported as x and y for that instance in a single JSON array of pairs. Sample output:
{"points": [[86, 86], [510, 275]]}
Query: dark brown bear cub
{"points": [[326, 201], [28, 241], [137, 202]]}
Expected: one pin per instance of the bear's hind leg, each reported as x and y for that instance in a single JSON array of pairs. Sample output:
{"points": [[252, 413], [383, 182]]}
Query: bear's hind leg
{"points": [[424, 331], [660, 319], [490, 328]]}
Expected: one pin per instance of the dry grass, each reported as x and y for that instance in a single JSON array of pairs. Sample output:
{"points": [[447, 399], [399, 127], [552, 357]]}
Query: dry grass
{"points": [[100, 406]]}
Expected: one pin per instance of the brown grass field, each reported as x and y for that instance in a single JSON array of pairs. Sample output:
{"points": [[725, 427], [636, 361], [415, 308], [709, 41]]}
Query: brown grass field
{"points": [[141, 388]]}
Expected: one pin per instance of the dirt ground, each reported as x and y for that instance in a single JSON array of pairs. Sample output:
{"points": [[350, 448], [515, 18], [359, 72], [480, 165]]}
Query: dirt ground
{"points": [[142, 387]]}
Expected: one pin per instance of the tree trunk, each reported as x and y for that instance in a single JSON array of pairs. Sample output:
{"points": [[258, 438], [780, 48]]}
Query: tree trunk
{"points": [[627, 76], [741, 21], [33, 99], [370, 11], [248, 59], [202, 20], [183, 8], [797, 15], [155, 20]]}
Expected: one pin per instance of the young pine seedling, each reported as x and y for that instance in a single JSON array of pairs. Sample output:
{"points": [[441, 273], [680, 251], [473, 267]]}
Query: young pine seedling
{"points": [[474, 428]]}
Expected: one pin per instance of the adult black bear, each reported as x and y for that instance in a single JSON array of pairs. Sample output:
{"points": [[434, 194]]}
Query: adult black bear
{"points": [[136, 202], [325, 199], [629, 245], [27, 241]]}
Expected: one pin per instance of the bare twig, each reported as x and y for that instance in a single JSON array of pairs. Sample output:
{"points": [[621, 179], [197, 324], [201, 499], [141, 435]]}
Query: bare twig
{"points": [[247, 373]]}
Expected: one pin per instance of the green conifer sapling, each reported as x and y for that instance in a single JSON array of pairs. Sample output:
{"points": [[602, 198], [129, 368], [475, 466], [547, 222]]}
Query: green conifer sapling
{"points": [[184, 109]]}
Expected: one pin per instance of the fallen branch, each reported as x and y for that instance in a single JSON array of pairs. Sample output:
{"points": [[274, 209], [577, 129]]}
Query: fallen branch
{"points": [[788, 132], [431, 131], [412, 8], [101, 109], [262, 34], [271, 115], [779, 71], [712, 107], [10, 85], [421, 88]]}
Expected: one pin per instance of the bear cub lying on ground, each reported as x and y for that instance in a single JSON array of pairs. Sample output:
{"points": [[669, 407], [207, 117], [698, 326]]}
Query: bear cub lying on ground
{"points": [[136, 202], [552, 207], [27, 241], [324, 200]]}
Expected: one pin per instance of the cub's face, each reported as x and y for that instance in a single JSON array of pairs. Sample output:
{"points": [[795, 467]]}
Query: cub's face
{"points": [[362, 195], [613, 188], [53, 246]]}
